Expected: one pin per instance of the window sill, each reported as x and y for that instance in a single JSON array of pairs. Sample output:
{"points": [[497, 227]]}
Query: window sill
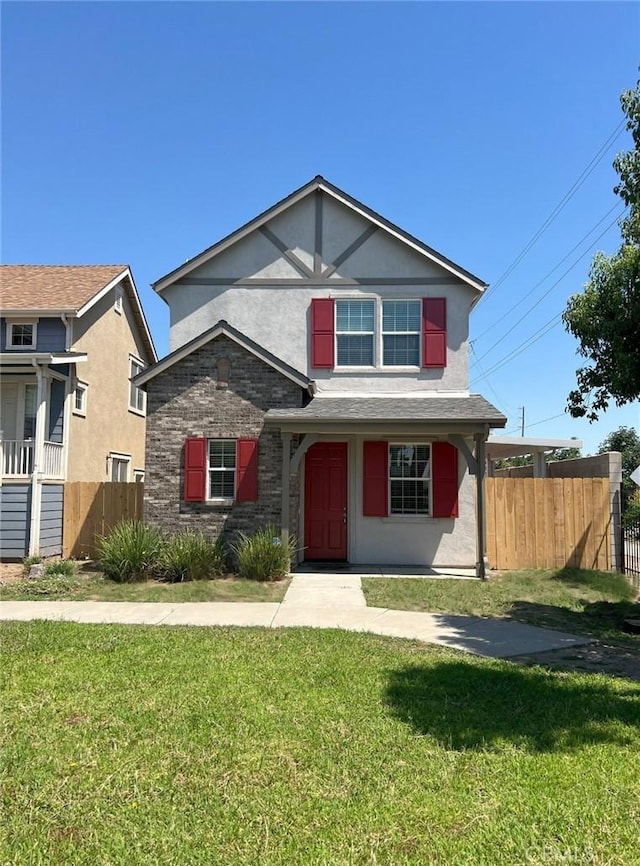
{"points": [[219, 501], [79, 413], [133, 411]]}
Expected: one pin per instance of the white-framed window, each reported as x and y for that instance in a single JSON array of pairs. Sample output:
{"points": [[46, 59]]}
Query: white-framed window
{"points": [[221, 475], [137, 396], [138, 475], [21, 335], [80, 398], [355, 332], [409, 478], [117, 302], [119, 466], [401, 330]]}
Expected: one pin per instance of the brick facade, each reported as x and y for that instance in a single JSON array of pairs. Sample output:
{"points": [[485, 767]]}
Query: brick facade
{"points": [[218, 391]]}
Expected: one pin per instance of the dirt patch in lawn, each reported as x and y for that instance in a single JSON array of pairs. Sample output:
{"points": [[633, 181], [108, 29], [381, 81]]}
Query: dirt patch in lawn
{"points": [[595, 658], [10, 572]]}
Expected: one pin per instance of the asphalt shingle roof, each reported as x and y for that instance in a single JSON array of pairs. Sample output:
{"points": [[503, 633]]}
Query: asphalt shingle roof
{"points": [[473, 408], [53, 287]]}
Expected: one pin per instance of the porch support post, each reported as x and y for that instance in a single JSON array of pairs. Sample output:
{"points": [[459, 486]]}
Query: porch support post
{"points": [[308, 440], [481, 538], [286, 487], [38, 454]]}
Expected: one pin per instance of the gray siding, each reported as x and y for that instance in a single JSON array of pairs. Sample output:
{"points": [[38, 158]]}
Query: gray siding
{"points": [[15, 517], [56, 411], [51, 335], [51, 519]]}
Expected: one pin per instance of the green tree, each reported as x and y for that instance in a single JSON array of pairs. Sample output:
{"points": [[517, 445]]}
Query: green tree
{"points": [[627, 441], [604, 317]]}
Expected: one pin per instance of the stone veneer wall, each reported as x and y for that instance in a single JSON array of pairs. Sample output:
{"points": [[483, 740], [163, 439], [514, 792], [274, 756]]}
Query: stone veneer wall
{"points": [[218, 391]]}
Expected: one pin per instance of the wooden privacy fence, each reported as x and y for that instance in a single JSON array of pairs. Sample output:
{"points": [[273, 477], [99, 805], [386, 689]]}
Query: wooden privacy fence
{"points": [[548, 522], [91, 508]]}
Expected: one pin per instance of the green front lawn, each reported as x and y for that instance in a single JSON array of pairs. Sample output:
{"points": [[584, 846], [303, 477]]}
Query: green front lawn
{"points": [[569, 599], [94, 586], [133, 745]]}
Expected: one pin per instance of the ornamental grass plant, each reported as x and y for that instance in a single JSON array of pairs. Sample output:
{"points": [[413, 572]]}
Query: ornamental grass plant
{"points": [[262, 555]]}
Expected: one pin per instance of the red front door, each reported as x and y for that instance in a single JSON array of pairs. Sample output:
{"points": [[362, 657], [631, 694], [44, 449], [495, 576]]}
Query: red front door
{"points": [[325, 501]]}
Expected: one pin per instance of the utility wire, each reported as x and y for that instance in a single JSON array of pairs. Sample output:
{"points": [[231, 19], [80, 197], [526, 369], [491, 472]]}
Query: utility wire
{"points": [[553, 270], [552, 287], [537, 335], [499, 400], [544, 420], [559, 207]]}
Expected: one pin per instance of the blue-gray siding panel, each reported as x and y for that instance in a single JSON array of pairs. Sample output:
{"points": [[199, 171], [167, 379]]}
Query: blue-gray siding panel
{"points": [[15, 518], [50, 336], [56, 411], [51, 519]]}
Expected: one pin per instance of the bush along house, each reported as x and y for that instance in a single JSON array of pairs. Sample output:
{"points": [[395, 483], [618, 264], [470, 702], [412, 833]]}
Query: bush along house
{"points": [[318, 381]]}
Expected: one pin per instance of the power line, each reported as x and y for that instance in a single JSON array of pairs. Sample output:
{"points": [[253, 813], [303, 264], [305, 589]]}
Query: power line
{"points": [[550, 289], [537, 335], [499, 400], [559, 207], [544, 420], [554, 269]]}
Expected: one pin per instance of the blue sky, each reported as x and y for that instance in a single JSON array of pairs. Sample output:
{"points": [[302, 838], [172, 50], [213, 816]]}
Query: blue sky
{"points": [[143, 132]]}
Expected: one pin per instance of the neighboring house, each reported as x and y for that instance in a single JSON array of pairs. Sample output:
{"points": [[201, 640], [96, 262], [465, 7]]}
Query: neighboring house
{"points": [[318, 381], [71, 339]]}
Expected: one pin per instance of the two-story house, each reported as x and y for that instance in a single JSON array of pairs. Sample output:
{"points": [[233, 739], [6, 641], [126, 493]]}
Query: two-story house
{"points": [[318, 380], [71, 339]]}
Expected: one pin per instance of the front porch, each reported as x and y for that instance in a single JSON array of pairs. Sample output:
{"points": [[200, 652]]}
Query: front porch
{"points": [[17, 459], [35, 407]]}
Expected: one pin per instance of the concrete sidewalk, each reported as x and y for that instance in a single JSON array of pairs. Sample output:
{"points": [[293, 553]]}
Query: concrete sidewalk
{"points": [[317, 601]]}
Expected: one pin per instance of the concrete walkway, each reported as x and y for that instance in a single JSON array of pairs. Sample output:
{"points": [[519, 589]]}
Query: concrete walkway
{"points": [[318, 601]]}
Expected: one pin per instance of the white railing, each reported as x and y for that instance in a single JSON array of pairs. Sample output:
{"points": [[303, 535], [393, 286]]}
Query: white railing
{"points": [[52, 460], [16, 458]]}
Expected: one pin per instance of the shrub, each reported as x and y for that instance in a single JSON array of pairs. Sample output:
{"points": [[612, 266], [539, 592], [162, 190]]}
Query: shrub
{"points": [[632, 514], [262, 556], [131, 551], [28, 561], [61, 567], [191, 556]]}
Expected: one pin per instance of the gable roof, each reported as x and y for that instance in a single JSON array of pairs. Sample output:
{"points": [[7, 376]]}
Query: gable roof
{"points": [[68, 289], [319, 183], [53, 287], [223, 328]]}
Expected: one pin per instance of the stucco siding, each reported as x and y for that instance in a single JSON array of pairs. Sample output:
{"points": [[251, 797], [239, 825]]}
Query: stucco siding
{"points": [[278, 316], [51, 519], [413, 540], [15, 516], [108, 338]]}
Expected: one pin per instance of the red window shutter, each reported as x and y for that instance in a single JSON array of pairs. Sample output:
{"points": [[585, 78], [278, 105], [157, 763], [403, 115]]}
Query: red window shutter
{"points": [[444, 474], [322, 339], [434, 332], [375, 483], [195, 469], [247, 470]]}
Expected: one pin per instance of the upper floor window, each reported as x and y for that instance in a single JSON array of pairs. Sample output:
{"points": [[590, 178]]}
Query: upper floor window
{"points": [[21, 335], [137, 397], [355, 331], [80, 399], [401, 328], [378, 333]]}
